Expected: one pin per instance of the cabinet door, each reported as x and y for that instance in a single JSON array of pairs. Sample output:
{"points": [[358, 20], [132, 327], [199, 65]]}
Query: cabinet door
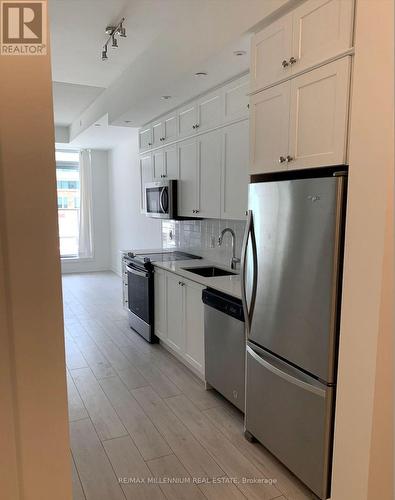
{"points": [[171, 163], [146, 175], [236, 100], [170, 127], [269, 48], [187, 185], [319, 116], [157, 134], [235, 176], [194, 325], [175, 324], [269, 129], [158, 164], [321, 29], [160, 303], [145, 138], [186, 119], [209, 111], [209, 174]]}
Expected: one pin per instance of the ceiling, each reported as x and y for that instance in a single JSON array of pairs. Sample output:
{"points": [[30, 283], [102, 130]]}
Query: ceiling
{"points": [[71, 99], [167, 42]]}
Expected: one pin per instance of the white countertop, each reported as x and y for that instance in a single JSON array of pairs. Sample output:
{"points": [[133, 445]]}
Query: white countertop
{"points": [[227, 284]]}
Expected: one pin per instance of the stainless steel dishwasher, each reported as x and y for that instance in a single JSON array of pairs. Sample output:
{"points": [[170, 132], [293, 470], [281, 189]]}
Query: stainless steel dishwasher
{"points": [[224, 345]]}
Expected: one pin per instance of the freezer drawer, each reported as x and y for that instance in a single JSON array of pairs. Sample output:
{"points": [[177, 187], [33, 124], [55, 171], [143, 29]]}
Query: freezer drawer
{"points": [[290, 414]]}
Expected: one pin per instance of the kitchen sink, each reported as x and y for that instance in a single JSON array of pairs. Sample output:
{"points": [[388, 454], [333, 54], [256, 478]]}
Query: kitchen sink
{"points": [[209, 272]]}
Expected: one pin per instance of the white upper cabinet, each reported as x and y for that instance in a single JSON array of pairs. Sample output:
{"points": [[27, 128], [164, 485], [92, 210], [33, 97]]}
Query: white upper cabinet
{"points": [[158, 164], [146, 175], [209, 174], [319, 116], [170, 128], [321, 29], [302, 123], [171, 162], [157, 134], [235, 179], [236, 99], [186, 120], [187, 185], [270, 52], [314, 32], [270, 129], [145, 138], [209, 111]]}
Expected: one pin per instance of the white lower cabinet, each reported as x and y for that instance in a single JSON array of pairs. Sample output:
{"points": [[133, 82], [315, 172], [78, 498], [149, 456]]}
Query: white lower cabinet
{"points": [[160, 303], [194, 324], [174, 311], [179, 317]]}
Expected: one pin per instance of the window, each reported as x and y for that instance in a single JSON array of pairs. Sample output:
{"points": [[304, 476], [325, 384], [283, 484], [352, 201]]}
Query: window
{"points": [[68, 187]]}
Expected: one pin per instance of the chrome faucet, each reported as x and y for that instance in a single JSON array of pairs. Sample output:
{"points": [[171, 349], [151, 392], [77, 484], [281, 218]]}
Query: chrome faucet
{"points": [[234, 261]]}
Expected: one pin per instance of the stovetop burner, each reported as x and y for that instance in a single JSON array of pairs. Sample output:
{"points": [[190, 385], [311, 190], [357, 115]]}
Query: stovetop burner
{"points": [[162, 256]]}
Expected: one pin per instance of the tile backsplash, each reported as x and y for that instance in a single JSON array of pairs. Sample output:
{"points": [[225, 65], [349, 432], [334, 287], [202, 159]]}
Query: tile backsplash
{"points": [[201, 238]]}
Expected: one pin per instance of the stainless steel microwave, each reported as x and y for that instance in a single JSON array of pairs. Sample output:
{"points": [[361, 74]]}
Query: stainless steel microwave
{"points": [[161, 199]]}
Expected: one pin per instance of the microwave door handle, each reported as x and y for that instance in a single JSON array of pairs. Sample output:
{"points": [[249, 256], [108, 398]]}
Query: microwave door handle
{"points": [[137, 273], [160, 199], [248, 235]]}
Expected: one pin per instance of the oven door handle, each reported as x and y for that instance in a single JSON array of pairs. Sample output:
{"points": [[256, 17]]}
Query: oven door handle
{"points": [[136, 272]]}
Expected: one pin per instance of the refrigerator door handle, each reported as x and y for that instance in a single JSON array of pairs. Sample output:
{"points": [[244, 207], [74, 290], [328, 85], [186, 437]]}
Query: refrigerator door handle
{"points": [[286, 376], [249, 233]]}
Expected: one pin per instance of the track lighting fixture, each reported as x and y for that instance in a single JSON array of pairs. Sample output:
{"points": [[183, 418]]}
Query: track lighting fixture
{"points": [[113, 32]]}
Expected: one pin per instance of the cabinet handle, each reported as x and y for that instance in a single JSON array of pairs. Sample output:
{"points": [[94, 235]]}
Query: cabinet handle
{"points": [[150, 144], [197, 211], [193, 126], [197, 125], [282, 159], [289, 158], [248, 106], [293, 60], [285, 63]]}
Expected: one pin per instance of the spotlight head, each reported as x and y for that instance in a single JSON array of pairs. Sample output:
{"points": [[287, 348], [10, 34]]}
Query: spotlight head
{"points": [[122, 31], [114, 42]]}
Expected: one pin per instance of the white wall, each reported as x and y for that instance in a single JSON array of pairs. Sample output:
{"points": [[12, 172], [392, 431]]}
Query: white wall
{"points": [[129, 228], [101, 222]]}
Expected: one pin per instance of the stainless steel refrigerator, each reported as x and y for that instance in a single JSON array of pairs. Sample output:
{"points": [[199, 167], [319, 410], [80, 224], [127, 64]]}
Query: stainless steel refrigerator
{"points": [[291, 286]]}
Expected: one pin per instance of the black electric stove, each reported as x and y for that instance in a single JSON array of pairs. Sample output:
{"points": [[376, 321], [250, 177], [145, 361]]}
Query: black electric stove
{"points": [[140, 271]]}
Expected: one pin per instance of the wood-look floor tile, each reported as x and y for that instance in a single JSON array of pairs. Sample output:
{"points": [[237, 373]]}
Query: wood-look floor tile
{"points": [[132, 378], [143, 432], [230, 423], [95, 471], [169, 469], [103, 415], [159, 381], [96, 360], [131, 469], [74, 358], [190, 452], [230, 459], [76, 407], [78, 493]]}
